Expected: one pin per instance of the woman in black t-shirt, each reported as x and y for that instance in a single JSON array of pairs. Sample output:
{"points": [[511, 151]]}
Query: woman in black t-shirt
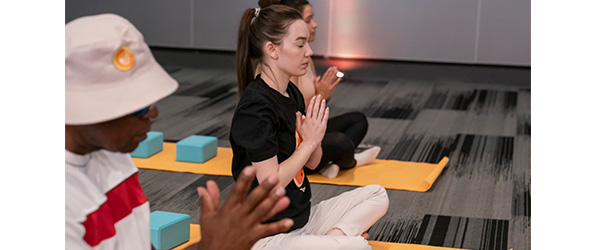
{"points": [[273, 132]]}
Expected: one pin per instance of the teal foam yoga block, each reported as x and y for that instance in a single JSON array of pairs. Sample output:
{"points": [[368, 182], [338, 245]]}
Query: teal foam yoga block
{"points": [[150, 146], [197, 148], [167, 230]]}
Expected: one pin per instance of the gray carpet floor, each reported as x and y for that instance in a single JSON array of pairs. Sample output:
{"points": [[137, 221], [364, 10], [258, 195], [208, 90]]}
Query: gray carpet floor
{"points": [[479, 116]]}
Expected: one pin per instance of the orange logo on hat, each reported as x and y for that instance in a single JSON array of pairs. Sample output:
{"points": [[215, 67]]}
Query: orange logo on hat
{"points": [[123, 58]]}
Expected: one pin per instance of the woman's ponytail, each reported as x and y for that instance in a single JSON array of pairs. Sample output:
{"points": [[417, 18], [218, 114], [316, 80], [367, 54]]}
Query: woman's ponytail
{"points": [[244, 65]]}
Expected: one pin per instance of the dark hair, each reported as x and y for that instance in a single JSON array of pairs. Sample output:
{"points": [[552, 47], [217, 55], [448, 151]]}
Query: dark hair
{"points": [[271, 25], [296, 4]]}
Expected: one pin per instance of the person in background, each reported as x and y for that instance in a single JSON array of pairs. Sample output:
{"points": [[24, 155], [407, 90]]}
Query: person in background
{"points": [[111, 83], [275, 133], [344, 132]]}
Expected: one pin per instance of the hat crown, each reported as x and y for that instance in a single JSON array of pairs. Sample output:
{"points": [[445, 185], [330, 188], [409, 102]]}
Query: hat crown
{"points": [[109, 70], [90, 46]]}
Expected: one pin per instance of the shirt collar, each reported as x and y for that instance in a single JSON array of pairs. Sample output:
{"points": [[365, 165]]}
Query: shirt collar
{"points": [[76, 159]]}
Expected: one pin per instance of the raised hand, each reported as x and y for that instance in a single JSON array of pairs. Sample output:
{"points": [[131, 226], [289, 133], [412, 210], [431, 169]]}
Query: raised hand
{"points": [[312, 129], [239, 223], [325, 85]]}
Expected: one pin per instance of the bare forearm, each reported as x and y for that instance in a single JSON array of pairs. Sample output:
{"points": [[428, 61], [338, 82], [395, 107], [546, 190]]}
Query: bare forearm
{"points": [[288, 169], [315, 158]]}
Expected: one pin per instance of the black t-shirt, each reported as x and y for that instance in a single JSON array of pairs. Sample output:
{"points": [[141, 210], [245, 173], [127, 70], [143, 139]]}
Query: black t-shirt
{"points": [[264, 125]]}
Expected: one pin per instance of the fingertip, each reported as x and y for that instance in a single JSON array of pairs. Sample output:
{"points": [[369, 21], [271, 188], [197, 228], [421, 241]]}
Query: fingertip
{"points": [[280, 192], [248, 171], [211, 184], [285, 201], [288, 222], [272, 180], [202, 193], [280, 226]]}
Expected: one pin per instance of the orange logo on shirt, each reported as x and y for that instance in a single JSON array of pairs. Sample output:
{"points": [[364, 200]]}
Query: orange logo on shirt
{"points": [[123, 58], [299, 179]]}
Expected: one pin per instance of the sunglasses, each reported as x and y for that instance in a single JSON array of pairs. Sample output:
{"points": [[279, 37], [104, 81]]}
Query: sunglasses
{"points": [[142, 112]]}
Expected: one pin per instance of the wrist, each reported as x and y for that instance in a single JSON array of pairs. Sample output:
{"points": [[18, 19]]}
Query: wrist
{"points": [[311, 145], [323, 94]]}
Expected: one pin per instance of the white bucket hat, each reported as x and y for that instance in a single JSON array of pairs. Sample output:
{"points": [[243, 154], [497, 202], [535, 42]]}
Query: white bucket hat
{"points": [[109, 70]]}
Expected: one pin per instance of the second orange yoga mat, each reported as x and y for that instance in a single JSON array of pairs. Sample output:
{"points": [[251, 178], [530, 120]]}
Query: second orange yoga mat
{"points": [[391, 174]]}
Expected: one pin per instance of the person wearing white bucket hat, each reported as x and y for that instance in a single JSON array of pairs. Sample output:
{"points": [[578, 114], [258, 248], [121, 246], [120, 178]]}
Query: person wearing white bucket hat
{"points": [[111, 83]]}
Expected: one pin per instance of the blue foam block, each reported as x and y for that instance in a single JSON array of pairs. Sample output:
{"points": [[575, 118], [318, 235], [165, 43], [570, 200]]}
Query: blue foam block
{"points": [[150, 146], [196, 148], [168, 230]]}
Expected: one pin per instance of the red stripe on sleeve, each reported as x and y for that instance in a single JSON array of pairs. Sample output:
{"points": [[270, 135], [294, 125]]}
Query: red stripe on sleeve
{"points": [[121, 200]]}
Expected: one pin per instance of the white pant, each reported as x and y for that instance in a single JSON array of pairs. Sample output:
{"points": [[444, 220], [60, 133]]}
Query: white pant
{"points": [[353, 212]]}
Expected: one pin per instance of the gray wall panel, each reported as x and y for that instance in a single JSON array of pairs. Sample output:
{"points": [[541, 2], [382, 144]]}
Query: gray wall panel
{"points": [[429, 30], [163, 23], [505, 32], [216, 23]]}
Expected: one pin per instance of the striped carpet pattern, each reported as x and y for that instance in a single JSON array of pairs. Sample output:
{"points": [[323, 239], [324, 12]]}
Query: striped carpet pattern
{"points": [[482, 200], [472, 233]]}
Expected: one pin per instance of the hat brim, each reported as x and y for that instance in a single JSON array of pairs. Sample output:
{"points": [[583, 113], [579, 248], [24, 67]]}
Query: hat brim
{"points": [[100, 105]]}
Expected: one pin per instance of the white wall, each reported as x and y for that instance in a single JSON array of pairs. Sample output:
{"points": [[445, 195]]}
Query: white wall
{"points": [[462, 31]]}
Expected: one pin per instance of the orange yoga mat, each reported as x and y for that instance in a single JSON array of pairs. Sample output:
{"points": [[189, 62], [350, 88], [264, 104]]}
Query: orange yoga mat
{"points": [[391, 174], [375, 245], [165, 160]]}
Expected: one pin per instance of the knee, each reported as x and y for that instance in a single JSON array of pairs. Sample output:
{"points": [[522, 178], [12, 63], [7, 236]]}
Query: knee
{"points": [[340, 142], [360, 118], [379, 195]]}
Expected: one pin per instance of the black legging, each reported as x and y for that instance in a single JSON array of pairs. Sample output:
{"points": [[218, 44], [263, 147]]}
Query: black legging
{"points": [[344, 133]]}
